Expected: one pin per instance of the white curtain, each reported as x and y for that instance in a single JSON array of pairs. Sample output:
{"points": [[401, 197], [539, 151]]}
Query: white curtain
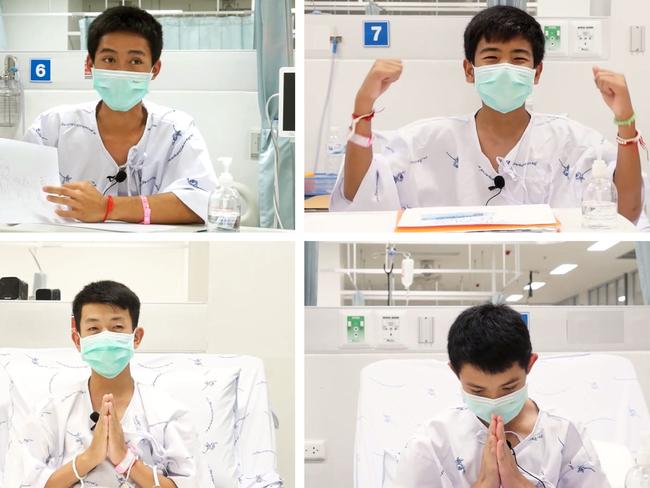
{"points": [[3, 37], [643, 264]]}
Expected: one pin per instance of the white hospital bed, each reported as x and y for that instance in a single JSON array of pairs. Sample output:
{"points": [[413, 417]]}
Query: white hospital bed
{"points": [[226, 395], [599, 391]]}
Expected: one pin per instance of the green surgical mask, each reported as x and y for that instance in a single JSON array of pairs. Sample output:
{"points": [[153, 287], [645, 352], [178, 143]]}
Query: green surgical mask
{"points": [[504, 87], [507, 406], [107, 353], [121, 90]]}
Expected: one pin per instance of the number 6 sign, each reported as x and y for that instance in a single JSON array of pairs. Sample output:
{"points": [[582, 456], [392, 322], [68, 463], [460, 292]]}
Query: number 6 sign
{"points": [[376, 33], [40, 70]]}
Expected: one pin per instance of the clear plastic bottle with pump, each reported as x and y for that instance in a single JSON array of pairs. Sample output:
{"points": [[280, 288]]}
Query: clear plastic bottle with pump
{"points": [[224, 207], [639, 475], [335, 151], [600, 199]]}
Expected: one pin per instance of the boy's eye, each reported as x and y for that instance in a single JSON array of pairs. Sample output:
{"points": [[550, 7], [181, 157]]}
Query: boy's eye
{"points": [[136, 61], [108, 59]]}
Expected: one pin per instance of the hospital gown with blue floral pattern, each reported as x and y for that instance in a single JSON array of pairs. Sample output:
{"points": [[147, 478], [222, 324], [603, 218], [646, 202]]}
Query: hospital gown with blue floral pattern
{"points": [[171, 155], [156, 428], [447, 450]]}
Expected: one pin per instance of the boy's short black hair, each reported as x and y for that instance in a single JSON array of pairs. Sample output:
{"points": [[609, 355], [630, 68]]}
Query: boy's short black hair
{"points": [[126, 19], [489, 337], [503, 23], [110, 293]]}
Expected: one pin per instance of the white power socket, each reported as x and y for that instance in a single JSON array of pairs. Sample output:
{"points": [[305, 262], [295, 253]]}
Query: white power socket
{"points": [[315, 450]]}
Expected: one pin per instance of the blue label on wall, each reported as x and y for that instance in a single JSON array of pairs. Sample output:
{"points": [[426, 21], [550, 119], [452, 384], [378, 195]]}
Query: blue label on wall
{"points": [[376, 33], [525, 316], [40, 70]]}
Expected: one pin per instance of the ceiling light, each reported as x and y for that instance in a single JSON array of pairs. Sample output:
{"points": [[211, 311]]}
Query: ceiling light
{"points": [[514, 298], [621, 299], [602, 245], [536, 285], [564, 269]]}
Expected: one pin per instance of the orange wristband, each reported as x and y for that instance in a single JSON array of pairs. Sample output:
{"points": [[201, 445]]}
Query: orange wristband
{"points": [[109, 206]]}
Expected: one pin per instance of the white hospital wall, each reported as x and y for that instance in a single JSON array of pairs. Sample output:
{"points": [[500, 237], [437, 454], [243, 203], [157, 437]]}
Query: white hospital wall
{"points": [[433, 82], [332, 373], [217, 88], [218, 297]]}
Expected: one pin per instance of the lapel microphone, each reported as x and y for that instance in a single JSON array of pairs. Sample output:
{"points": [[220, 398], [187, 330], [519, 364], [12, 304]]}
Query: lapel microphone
{"points": [[499, 182], [120, 176], [94, 417]]}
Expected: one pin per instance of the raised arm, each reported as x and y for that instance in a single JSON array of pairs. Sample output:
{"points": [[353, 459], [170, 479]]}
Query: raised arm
{"points": [[357, 157], [627, 177]]}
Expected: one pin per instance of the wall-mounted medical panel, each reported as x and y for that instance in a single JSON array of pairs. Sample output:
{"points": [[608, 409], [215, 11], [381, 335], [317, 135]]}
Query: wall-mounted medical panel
{"points": [[439, 38], [425, 329]]}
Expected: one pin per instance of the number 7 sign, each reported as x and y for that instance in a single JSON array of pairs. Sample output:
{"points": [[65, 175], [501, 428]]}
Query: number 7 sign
{"points": [[376, 33]]}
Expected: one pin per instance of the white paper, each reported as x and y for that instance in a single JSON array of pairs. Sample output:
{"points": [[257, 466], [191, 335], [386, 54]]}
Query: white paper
{"points": [[459, 216], [24, 170]]}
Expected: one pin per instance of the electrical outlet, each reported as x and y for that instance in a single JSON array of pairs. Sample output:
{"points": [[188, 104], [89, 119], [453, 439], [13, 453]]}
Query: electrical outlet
{"points": [[254, 144], [587, 38], [390, 330], [315, 450], [356, 329], [553, 35]]}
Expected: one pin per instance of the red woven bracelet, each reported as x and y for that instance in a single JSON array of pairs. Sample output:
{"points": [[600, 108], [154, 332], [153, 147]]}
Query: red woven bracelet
{"points": [[109, 206]]}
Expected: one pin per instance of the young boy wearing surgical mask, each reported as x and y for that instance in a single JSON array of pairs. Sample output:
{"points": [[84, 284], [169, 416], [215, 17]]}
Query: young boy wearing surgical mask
{"points": [[123, 157], [108, 430], [500, 155], [500, 437]]}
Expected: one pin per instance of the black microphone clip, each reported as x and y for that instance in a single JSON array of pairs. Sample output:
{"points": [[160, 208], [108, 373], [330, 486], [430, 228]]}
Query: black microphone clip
{"points": [[119, 177], [499, 182], [94, 417]]}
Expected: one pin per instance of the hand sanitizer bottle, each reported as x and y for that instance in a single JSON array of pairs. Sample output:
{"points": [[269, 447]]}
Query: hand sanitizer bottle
{"points": [[600, 199], [639, 475], [224, 207]]}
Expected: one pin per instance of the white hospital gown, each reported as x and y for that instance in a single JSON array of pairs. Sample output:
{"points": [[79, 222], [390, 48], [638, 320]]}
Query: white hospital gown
{"points": [[155, 426], [447, 451], [171, 156], [439, 162]]}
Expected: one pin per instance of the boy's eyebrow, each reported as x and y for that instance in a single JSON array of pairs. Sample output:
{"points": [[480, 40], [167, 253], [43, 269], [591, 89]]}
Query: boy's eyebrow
{"points": [[131, 51], [477, 387], [520, 50], [490, 49]]}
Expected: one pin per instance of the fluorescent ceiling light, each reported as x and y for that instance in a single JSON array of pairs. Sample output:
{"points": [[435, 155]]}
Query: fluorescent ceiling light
{"points": [[564, 269], [536, 285], [621, 299], [514, 298], [602, 245]]}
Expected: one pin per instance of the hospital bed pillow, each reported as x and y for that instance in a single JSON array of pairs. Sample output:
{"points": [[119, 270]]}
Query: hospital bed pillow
{"points": [[397, 396], [229, 402]]}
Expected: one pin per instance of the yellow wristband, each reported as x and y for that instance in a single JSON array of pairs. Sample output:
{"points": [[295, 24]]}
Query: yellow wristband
{"points": [[627, 122]]}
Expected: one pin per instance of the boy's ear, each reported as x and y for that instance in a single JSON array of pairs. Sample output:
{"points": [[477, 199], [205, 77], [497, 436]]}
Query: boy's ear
{"points": [[156, 69], [137, 337], [538, 72], [533, 359], [468, 67], [89, 62], [76, 338]]}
